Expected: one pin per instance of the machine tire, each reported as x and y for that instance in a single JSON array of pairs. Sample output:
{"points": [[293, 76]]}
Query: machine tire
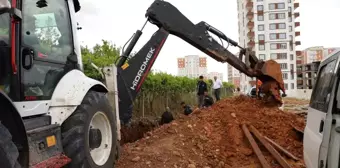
{"points": [[9, 153], [75, 132]]}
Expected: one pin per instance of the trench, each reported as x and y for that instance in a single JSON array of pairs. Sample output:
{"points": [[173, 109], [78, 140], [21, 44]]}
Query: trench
{"points": [[137, 130]]}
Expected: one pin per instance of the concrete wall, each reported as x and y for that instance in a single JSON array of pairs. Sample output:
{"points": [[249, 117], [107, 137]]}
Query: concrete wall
{"points": [[300, 94]]}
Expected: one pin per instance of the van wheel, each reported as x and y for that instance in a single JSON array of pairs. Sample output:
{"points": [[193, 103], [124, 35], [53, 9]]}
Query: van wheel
{"points": [[8, 151], [89, 134]]}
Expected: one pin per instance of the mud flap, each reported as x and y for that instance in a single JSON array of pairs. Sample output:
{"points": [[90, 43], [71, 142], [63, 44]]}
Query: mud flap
{"points": [[46, 147]]}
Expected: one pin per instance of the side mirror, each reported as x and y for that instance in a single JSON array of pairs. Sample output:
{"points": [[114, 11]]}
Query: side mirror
{"points": [[5, 6]]}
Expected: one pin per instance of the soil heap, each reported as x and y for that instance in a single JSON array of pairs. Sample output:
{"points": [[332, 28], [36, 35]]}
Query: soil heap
{"points": [[213, 138]]}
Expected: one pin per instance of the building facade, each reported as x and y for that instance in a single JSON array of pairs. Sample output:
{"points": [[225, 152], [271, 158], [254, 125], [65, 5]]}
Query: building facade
{"points": [[192, 66], [233, 76], [268, 27], [306, 75], [217, 74], [314, 54]]}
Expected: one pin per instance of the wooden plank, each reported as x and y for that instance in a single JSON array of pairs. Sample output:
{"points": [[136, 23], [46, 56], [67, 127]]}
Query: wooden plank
{"points": [[255, 147], [269, 147], [279, 147]]}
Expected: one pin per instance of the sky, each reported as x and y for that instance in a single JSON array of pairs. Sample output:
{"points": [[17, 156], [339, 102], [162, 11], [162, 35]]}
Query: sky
{"points": [[117, 20]]}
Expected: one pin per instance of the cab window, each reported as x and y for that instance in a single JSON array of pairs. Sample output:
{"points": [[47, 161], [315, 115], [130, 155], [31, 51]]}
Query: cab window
{"points": [[323, 87], [47, 30]]}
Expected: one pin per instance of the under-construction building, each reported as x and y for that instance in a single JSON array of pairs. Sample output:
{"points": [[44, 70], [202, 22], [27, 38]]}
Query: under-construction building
{"points": [[306, 75]]}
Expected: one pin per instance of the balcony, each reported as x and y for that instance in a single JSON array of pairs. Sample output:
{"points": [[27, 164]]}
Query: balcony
{"points": [[251, 44], [298, 53], [289, 14], [296, 5], [298, 62], [297, 24], [297, 43], [297, 33], [249, 5], [251, 34], [250, 15], [250, 24], [296, 15]]}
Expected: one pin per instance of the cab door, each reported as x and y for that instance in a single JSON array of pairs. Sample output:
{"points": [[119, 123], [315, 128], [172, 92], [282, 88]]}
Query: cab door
{"points": [[46, 48], [317, 130]]}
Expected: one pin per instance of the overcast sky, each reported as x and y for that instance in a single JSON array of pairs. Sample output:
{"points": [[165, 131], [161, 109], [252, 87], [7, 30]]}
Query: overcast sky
{"points": [[117, 20]]}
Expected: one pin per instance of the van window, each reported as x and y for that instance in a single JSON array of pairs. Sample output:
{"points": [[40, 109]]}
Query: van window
{"points": [[323, 87]]}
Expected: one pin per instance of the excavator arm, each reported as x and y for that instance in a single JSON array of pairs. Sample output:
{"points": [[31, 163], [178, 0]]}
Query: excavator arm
{"points": [[132, 70]]}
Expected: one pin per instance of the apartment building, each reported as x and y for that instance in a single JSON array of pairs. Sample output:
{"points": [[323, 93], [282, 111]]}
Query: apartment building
{"points": [[217, 74], [233, 76], [192, 66], [316, 53], [268, 27]]}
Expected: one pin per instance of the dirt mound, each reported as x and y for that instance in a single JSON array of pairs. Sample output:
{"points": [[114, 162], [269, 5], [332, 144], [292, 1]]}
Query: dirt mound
{"points": [[136, 130], [213, 138]]}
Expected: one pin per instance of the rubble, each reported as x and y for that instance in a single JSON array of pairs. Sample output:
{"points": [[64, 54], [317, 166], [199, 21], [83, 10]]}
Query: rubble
{"points": [[213, 137]]}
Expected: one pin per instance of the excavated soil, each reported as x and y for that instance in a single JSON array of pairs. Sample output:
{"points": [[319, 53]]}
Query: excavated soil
{"points": [[213, 138]]}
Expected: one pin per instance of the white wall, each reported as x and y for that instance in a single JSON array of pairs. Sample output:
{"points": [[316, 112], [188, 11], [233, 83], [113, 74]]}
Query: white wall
{"points": [[300, 94]]}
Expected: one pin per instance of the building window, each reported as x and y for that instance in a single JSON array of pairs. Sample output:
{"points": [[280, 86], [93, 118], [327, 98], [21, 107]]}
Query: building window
{"points": [[259, 7], [286, 86], [291, 57], [259, 0], [284, 76], [261, 27], [289, 9], [283, 65], [278, 56], [282, 26], [290, 19], [261, 47], [281, 15], [282, 35], [275, 46], [261, 36], [290, 37], [272, 36], [274, 16], [273, 6], [289, 1], [280, 5], [260, 18], [274, 26], [290, 28], [262, 56], [292, 85]]}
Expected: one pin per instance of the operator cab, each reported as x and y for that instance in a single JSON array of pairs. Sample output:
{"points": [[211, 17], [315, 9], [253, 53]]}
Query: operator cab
{"points": [[44, 49], [322, 132]]}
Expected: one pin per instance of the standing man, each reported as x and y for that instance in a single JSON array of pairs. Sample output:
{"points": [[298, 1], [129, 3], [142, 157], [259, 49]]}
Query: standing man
{"points": [[201, 89], [217, 85]]}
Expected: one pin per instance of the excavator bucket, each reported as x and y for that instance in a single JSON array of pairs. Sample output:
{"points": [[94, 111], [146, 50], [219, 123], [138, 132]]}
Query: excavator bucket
{"points": [[272, 82]]}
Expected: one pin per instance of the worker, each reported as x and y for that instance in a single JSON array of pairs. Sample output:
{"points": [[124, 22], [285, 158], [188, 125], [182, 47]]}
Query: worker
{"points": [[166, 117], [201, 89], [237, 92], [259, 85], [208, 100], [217, 85], [187, 108]]}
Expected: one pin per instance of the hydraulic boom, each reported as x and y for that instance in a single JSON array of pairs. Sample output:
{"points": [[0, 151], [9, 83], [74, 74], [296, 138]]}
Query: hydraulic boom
{"points": [[132, 73]]}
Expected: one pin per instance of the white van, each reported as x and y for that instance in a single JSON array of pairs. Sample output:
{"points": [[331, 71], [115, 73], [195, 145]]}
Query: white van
{"points": [[321, 142]]}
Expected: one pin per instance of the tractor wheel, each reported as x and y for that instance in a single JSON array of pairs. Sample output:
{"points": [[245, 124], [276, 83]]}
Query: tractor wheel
{"points": [[8, 151], [89, 134]]}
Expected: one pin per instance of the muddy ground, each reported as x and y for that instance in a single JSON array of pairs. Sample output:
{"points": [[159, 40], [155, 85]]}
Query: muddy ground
{"points": [[213, 137]]}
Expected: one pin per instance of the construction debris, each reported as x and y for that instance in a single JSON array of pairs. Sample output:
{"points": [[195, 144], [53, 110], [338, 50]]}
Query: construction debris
{"points": [[277, 146], [213, 137]]}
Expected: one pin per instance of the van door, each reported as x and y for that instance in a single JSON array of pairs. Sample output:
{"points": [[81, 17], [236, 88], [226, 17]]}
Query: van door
{"points": [[317, 119]]}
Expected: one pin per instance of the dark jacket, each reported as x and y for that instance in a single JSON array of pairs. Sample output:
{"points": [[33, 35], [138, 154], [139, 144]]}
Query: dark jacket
{"points": [[201, 87], [187, 110], [208, 101], [166, 118]]}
